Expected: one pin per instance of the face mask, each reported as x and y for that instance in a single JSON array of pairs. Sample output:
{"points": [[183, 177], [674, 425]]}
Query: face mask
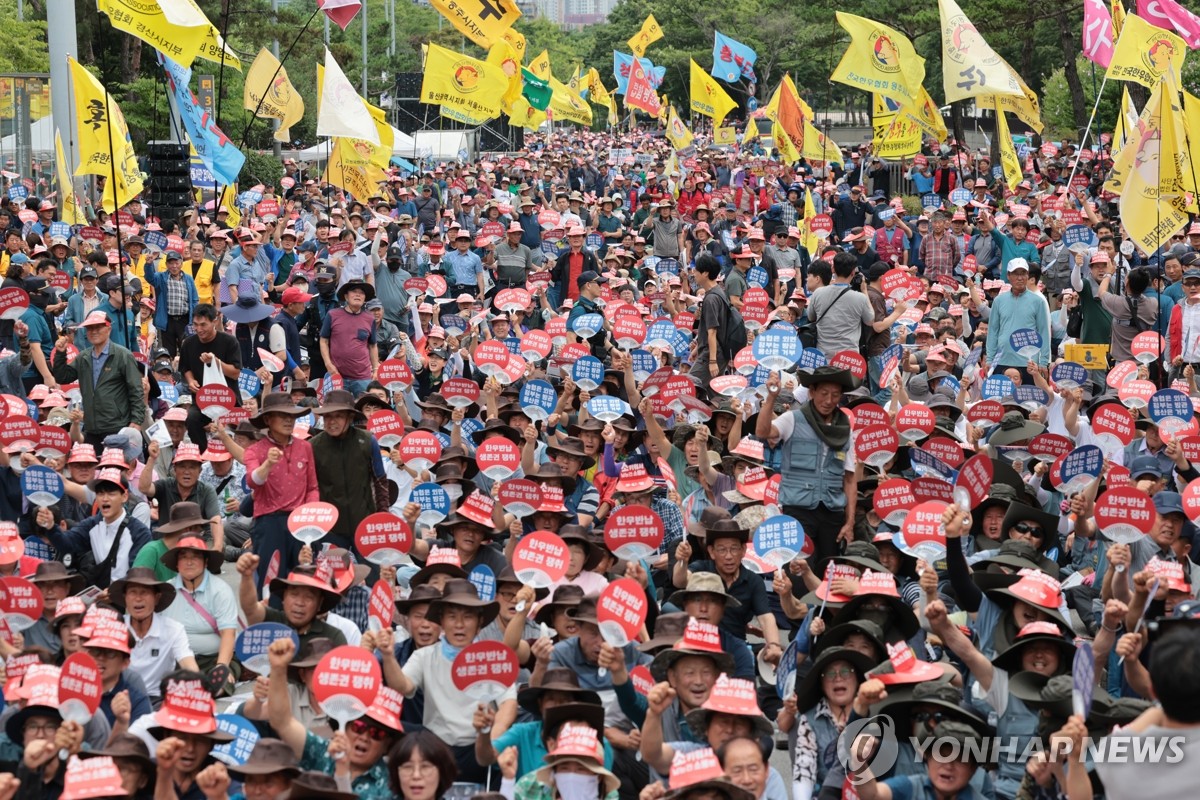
{"points": [[326, 288], [453, 490], [881, 617], [573, 786]]}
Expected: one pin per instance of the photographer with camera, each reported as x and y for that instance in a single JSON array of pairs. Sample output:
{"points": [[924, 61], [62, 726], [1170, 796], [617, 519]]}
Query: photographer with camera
{"points": [[839, 311]]}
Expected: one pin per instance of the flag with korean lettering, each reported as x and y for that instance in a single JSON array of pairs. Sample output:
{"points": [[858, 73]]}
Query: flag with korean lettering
{"points": [[650, 33], [640, 94], [879, 60], [732, 59], [220, 155], [1145, 53], [102, 139], [1098, 38], [484, 22], [467, 84], [970, 67], [623, 64]]}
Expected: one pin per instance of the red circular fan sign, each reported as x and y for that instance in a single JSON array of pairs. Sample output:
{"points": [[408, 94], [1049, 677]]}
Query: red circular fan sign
{"points": [[633, 532], [986, 412], [1191, 501], [498, 458], [395, 375], [215, 399], [1190, 445], [970, 264], [520, 497], [922, 534], [491, 357], [416, 285], [1049, 446], [892, 500], [1136, 393], [868, 414], [420, 449], [346, 681], [821, 226], [1113, 421], [973, 482], [387, 427], [437, 285], [945, 449], [536, 343], [729, 385], [629, 332], [850, 360], [914, 422], [383, 538], [556, 328], [513, 299], [271, 361], [22, 603], [541, 559], [381, 607], [13, 303], [745, 362], [1125, 514], [641, 679], [1146, 346], [621, 611], [930, 488], [876, 445], [1125, 371], [484, 671], [311, 521], [53, 441], [234, 417], [79, 688]]}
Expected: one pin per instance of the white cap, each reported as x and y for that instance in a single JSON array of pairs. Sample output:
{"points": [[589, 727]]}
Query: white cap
{"points": [[1018, 263]]}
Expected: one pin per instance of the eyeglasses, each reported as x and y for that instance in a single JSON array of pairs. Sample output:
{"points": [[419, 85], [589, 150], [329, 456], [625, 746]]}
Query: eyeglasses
{"points": [[835, 674], [414, 767], [729, 551], [42, 727], [1030, 530], [361, 728], [925, 717]]}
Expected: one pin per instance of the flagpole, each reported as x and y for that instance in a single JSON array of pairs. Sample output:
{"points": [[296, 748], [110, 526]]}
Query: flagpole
{"points": [[1087, 131], [112, 163], [253, 116]]}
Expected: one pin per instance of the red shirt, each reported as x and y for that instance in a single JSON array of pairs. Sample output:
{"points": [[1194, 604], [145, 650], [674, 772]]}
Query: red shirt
{"points": [[292, 482], [574, 270]]}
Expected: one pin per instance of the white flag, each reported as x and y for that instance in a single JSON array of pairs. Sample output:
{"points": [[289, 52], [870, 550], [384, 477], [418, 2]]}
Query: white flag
{"points": [[342, 112]]}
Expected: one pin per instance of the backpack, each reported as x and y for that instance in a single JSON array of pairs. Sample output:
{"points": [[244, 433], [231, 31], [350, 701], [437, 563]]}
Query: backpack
{"points": [[1074, 321], [731, 337], [1134, 321]]}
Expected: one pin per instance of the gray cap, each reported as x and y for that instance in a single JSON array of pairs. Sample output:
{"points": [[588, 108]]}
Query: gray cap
{"points": [[373, 304], [174, 255]]}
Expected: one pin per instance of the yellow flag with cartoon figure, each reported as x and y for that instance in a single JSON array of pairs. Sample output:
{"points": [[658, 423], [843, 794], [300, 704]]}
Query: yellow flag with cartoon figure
{"points": [[677, 132], [648, 35], [970, 67], [1144, 53]]}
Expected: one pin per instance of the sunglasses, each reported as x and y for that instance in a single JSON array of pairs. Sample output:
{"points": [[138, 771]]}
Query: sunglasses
{"points": [[372, 732], [1030, 530], [924, 717]]}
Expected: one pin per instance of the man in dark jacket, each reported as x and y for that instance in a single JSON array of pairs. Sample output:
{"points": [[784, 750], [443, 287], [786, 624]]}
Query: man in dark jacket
{"points": [[110, 380], [572, 263], [349, 468], [851, 212]]}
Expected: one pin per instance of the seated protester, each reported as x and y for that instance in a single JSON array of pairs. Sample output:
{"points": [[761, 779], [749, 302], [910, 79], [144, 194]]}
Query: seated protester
{"points": [[705, 599], [634, 486], [507, 587], [569, 455], [186, 730], [269, 772], [698, 775], [559, 691], [421, 767], [185, 486], [585, 557], [104, 546], [82, 493], [730, 711], [304, 705], [725, 543], [823, 701], [68, 616], [55, 584], [355, 755], [744, 760], [38, 728], [574, 745], [80, 469], [877, 599], [184, 520], [412, 614], [304, 599], [225, 473], [132, 759], [349, 578], [462, 615], [470, 529], [1039, 647], [1001, 612], [160, 644], [942, 778], [690, 666], [205, 608], [123, 698], [550, 613]]}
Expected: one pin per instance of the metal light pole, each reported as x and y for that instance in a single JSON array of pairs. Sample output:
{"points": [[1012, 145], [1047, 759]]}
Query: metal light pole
{"points": [[62, 43], [363, 12], [277, 146]]}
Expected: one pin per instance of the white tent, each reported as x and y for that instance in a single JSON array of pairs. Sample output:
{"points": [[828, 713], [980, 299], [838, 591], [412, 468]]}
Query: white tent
{"points": [[42, 137], [402, 144]]}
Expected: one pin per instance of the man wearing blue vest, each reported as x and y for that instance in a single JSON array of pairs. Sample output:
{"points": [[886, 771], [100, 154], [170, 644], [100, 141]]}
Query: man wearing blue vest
{"points": [[818, 459]]}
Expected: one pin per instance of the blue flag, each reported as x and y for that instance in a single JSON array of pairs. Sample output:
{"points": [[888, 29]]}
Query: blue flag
{"points": [[732, 60], [217, 153], [623, 64]]}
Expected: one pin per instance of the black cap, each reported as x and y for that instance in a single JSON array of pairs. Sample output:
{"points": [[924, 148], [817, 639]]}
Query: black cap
{"points": [[588, 277]]}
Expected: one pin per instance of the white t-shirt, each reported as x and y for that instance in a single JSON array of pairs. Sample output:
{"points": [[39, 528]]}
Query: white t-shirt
{"points": [[448, 714], [102, 535]]}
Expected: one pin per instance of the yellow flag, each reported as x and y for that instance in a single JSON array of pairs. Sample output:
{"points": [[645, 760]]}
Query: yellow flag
{"points": [[505, 57], [177, 28], [348, 177], [788, 152], [928, 116], [484, 26], [809, 239], [724, 135], [708, 98], [672, 168], [229, 203], [540, 66], [217, 50], [1146, 174], [614, 116], [454, 114], [267, 83], [1118, 17], [648, 35], [1025, 106], [970, 67], [564, 104], [575, 82], [677, 132], [596, 91], [517, 40], [879, 60], [1008, 154], [817, 147], [465, 84], [103, 139], [68, 204], [1144, 53], [1127, 118], [526, 116], [896, 134]]}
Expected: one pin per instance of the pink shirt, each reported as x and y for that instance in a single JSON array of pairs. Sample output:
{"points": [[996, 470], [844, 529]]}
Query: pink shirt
{"points": [[292, 482]]}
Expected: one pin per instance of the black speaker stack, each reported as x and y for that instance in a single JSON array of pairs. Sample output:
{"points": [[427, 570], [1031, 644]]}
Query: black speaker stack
{"points": [[168, 191]]}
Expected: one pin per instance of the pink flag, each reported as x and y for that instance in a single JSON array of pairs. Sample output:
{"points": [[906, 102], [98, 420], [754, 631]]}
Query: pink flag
{"points": [[1170, 16], [340, 11], [1097, 32]]}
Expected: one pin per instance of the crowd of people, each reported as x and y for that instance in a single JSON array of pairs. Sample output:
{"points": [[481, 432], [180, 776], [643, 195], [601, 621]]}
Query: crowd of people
{"points": [[703, 337]]}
